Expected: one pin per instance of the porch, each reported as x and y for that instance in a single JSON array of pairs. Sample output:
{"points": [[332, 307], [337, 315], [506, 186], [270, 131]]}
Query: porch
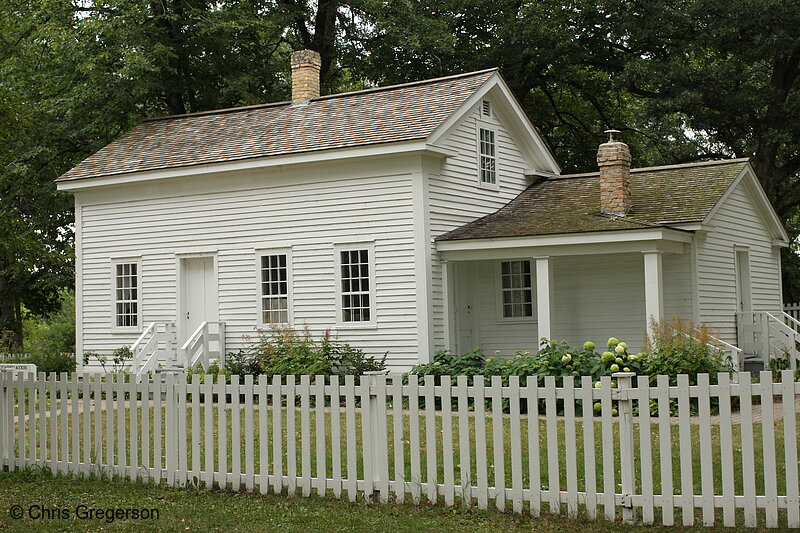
{"points": [[503, 295]]}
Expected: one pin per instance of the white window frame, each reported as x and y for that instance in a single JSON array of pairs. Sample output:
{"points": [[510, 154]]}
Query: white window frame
{"points": [[113, 278], [338, 249], [481, 125], [260, 253], [498, 276]]}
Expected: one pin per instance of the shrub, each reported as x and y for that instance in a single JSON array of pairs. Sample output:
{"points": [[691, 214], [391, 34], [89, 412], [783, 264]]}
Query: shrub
{"points": [[282, 350], [678, 347], [53, 334], [48, 362]]}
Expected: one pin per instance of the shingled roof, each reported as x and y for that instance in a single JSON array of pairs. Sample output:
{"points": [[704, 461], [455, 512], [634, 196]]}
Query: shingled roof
{"points": [[661, 196], [383, 115]]}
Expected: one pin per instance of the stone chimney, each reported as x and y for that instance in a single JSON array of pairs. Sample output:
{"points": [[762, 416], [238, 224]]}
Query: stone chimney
{"points": [[614, 160], [305, 75]]}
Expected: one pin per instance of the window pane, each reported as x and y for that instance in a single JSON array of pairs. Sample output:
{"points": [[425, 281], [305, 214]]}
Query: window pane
{"points": [[355, 285]]}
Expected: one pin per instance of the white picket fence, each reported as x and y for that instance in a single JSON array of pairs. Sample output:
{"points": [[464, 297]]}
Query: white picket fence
{"points": [[727, 453], [792, 309]]}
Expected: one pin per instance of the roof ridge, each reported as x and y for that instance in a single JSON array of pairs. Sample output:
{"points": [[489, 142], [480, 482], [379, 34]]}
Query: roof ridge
{"points": [[659, 167], [324, 97]]}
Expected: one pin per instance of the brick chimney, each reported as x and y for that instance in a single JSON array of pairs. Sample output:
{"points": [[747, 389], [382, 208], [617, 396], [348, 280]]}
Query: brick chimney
{"points": [[305, 75], [614, 160]]}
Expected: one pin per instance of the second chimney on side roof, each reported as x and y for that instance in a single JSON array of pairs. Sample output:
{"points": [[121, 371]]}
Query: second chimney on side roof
{"points": [[306, 65], [614, 160]]}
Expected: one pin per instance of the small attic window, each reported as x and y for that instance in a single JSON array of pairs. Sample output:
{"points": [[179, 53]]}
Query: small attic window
{"points": [[486, 108]]}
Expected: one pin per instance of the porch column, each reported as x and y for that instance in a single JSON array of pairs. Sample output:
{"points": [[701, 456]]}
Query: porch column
{"points": [[653, 288], [544, 297], [448, 304]]}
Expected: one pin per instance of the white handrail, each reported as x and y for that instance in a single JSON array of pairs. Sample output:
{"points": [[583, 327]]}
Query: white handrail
{"points": [[145, 333], [190, 346], [145, 350]]}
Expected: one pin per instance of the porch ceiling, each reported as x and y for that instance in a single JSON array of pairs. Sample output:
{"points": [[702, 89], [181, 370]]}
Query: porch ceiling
{"points": [[657, 239]]}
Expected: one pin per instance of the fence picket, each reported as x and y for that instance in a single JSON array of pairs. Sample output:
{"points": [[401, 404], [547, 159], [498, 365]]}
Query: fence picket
{"points": [[589, 458], [158, 400], [415, 449], [291, 443], [498, 444], [351, 440], [208, 428], [570, 444], [382, 437], [398, 434], [516, 445], [263, 435], [249, 435], [194, 391], [748, 453], [447, 442], [236, 434], [336, 437], [183, 455], [726, 450], [706, 452], [685, 455], [665, 451], [645, 452], [609, 485], [768, 449], [305, 435], [54, 426], [790, 448], [431, 474], [534, 458], [133, 469], [170, 440], [41, 391], [222, 432], [64, 422], [322, 469], [464, 466]]}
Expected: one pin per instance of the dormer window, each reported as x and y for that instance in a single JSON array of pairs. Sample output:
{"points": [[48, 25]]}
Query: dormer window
{"points": [[487, 156]]}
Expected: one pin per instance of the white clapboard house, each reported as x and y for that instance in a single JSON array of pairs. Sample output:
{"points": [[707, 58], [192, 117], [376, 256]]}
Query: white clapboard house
{"points": [[407, 219]]}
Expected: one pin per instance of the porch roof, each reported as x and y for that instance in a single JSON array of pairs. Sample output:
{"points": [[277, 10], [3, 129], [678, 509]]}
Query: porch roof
{"points": [[661, 197]]}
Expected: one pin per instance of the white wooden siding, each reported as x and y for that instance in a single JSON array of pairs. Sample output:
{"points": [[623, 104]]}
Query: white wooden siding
{"points": [[737, 222], [310, 209], [455, 197], [596, 297]]}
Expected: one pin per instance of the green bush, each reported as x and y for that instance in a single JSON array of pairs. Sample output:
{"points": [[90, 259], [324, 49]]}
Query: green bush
{"points": [[52, 362], [677, 347], [282, 350], [54, 334]]}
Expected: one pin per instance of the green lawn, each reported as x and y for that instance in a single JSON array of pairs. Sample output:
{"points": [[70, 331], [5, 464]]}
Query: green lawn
{"points": [[192, 510]]}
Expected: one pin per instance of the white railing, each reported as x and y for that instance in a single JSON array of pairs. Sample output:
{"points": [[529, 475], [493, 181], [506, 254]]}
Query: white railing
{"points": [[204, 345], [770, 335], [723, 453], [154, 347]]}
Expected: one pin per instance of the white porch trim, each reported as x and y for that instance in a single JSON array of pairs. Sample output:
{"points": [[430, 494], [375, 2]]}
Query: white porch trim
{"points": [[653, 288], [601, 242], [544, 297]]}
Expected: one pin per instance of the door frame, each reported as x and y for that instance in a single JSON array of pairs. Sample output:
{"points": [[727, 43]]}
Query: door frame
{"points": [[180, 303], [744, 281]]}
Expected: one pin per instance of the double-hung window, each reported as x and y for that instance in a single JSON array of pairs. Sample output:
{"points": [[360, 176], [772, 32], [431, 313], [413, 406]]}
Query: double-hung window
{"points": [[127, 294], [274, 293], [516, 292], [487, 156], [355, 285]]}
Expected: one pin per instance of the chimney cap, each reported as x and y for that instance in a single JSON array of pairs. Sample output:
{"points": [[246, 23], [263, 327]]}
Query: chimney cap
{"points": [[611, 134]]}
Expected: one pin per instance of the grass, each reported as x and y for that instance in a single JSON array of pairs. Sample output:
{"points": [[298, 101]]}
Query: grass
{"points": [[205, 510]]}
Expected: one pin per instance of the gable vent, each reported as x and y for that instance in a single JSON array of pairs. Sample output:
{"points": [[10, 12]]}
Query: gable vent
{"points": [[486, 108]]}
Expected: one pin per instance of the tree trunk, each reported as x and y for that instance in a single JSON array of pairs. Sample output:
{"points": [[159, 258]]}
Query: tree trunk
{"points": [[10, 319]]}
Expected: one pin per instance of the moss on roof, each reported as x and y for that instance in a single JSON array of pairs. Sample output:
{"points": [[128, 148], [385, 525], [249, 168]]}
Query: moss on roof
{"points": [[660, 196]]}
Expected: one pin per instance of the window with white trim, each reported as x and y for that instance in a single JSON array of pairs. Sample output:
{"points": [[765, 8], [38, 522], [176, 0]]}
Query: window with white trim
{"points": [[488, 156], [126, 295], [356, 296], [274, 288], [516, 292]]}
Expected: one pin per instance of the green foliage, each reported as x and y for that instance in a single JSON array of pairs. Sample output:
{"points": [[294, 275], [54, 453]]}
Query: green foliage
{"points": [[118, 363], [282, 350], [677, 347], [47, 362], [54, 334]]}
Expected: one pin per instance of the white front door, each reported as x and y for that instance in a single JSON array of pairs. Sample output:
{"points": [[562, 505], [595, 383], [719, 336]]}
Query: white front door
{"points": [[744, 303], [465, 311], [198, 294]]}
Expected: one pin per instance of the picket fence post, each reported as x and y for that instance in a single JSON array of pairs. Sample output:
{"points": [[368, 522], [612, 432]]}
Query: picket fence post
{"points": [[373, 455], [624, 396], [6, 421]]}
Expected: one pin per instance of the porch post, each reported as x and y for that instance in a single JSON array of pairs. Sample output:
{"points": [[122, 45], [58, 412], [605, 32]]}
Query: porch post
{"points": [[544, 297], [448, 290], [653, 288]]}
